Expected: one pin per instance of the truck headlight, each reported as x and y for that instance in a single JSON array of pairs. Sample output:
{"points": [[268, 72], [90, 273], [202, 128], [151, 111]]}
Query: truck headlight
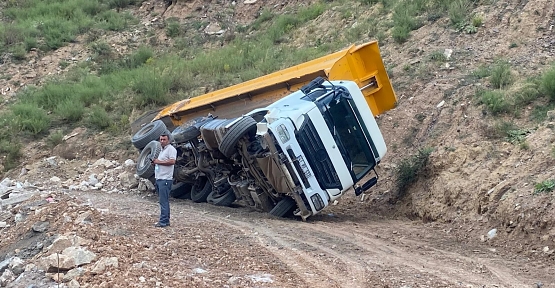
{"points": [[317, 200], [283, 133]]}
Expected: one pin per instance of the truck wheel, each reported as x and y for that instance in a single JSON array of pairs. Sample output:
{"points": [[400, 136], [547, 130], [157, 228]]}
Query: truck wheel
{"points": [[284, 207], [149, 132], [236, 132], [200, 190], [181, 190], [145, 168], [223, 198], [189, 130]]}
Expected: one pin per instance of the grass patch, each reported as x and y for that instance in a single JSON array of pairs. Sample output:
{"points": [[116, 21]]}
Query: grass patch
{"points": [[411, 169], [501, 75], [495, 101], [55, 23], [54, 139], [548, 83], [545, 186]]}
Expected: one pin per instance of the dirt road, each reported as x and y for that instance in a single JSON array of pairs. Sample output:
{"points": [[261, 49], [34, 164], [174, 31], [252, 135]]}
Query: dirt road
{"points": [[208, 246]]}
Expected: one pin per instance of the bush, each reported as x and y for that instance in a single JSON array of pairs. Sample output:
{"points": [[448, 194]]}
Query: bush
{"points": [[70, 110], [501, 75], [99, 118], [495, 101], [548, 84], [526, 94], [400, 34], [30, 118], [458, 11], [173, 28], [12, 152], [546, 186], [54, 139], [409, 170]]}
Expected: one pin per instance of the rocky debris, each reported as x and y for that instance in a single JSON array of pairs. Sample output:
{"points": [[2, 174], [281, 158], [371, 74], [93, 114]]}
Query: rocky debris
{"points": [[41, 226], [70, 258], [6, 278], [104, 262]]}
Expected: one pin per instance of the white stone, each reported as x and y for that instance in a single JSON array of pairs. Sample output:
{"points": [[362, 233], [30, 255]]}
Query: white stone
{"points": [[129, 163], [55, 179]]}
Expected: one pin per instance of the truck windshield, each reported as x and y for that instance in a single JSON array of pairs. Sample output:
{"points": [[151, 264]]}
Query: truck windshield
{"points": [[344, 124]]}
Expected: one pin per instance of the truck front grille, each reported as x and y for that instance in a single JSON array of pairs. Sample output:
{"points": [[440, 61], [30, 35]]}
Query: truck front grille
{"points": [[317, 156]]}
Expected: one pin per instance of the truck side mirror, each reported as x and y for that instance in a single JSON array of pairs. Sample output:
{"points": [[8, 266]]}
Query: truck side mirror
{"points": [[367, 185]]}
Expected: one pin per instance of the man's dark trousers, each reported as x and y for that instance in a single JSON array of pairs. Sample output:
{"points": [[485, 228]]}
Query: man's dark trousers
{"points": [[164, 188]]}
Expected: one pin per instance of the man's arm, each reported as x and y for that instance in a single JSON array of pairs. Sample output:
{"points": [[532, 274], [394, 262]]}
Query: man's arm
{"points": [[168, 162]]}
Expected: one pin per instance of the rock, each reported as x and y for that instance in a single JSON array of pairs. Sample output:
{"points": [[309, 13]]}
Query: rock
{"points": [[19, 217], [51, 161], [104, 263], [84, 218], [149, 185], [447, 53], [55, 276], [250, 1], [73, 284], [17, 265], [92, 180], [129, 163], [16, 198], [80, 255], [6, 278], [41, 226], [440, 104], [128, 180], [214, 28], [55, 179], [4, 264], [492, 233], [70, 258], [103, 162], [73, 273], [3, 224]]}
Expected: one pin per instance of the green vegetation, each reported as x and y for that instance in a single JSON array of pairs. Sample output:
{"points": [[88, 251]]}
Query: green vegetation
{"points": [[49, 25], [411, 169], [545, 186]]}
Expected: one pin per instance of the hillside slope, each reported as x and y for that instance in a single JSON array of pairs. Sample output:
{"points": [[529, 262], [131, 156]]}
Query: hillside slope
{"points": [[477, 178]]}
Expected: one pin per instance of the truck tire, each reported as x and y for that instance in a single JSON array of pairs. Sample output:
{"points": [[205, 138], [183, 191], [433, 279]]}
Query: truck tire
{"points": [[149, 132], [284, 207], [223, 198], [236, 132], [200, 190], [190, 130], [145, 168], [181, 190]]}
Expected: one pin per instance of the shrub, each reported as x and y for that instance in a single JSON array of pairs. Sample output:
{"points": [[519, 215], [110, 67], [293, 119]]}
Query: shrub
{"points": [[99, 118], [548, 83], [173, 28], [12, 152], [545, 186], [409, 170], [501, 75], [30, 118], [526, 94], [70, 110], [151, 88], [458, 11], [400, 34], [54, 139], [495, 101]]}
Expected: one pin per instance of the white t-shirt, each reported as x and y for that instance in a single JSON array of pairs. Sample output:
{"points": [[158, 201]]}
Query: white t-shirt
{"points": [[164, 172]]}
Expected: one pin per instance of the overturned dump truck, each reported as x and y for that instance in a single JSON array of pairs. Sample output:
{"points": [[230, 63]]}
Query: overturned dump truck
{"points": [[290, 142]]}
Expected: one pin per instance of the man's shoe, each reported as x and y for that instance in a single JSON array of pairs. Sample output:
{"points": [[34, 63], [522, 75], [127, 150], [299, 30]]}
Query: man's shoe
{"points": [[159, 225]]}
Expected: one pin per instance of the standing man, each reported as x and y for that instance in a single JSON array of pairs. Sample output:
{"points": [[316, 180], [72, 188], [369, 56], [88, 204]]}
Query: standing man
{"points": [[163, 172]]}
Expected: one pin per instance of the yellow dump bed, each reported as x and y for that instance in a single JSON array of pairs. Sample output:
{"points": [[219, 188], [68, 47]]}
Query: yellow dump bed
{"points": [[361, 64]]}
